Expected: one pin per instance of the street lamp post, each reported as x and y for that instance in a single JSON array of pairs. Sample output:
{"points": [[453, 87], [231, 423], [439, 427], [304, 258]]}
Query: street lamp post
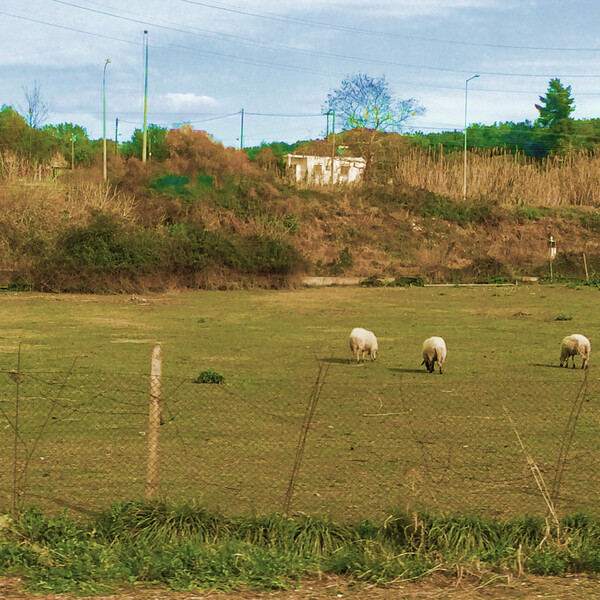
{"points": [[465, 157], [104, 115], [145, 130], [552, 254]]}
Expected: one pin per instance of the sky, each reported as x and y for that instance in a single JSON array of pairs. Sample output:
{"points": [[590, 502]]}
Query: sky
{"points": [[277, 60]]}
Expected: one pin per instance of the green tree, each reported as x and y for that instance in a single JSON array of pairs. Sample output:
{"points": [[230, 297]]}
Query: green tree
{"points": [[157, 150], [18, 137], [556, 105], [73, 143], [13, 128], [366, 102]]}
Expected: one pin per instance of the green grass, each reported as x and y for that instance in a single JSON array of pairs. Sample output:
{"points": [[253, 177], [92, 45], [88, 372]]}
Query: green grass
{"points": [[184, 547], [385, 434]]}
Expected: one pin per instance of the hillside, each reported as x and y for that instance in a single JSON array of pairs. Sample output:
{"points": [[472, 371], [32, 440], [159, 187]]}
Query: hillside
{"points": [[208, 217]]}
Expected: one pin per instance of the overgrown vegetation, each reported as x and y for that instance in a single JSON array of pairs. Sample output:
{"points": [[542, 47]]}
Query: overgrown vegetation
{"points": [[199, 215], [185, 547]]}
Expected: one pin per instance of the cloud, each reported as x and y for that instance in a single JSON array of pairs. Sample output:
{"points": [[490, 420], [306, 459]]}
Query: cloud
{"points": [[188, 102]]}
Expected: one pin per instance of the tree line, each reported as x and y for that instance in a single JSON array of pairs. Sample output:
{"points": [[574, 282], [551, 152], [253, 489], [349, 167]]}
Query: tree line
{"points": [[364, 107]]}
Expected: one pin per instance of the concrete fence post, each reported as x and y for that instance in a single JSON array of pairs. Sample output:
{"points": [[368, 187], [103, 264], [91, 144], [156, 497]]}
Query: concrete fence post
{"points": [[154, 421]]}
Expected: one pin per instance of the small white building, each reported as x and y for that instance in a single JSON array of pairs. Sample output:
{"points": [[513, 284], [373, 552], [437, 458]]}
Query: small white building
{"points": [[317, 169]]}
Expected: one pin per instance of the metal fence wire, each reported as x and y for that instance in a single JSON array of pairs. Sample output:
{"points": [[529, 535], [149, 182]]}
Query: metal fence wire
{"points": [[79, 440]]}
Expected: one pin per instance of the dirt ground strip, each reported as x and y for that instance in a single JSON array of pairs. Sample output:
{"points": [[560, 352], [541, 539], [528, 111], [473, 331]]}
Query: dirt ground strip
{"points": [[576, 587]]}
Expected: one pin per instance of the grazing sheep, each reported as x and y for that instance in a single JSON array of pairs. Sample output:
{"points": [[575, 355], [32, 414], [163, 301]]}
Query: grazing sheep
{"points": [[434, 348], [573, 345], [361, 341]]}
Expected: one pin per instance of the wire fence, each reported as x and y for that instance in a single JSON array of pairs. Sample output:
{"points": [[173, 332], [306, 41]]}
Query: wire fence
{"points": [[80, 440]]}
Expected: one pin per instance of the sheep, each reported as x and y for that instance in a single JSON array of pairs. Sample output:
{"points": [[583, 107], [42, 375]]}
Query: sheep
{"points": [[363, 341], [573, 345], [434, 348]]}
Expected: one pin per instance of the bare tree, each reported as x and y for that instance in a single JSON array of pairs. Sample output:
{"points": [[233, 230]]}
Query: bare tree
{"points": [[363, 101], [365, 105], [36, 110]]}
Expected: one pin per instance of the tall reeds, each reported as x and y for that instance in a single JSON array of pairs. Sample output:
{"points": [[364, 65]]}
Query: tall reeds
{"points": [[505, 177]]}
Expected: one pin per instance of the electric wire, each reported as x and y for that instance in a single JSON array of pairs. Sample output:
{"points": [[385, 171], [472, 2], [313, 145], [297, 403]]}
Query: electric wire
{"points": [[350, 29], [344, 57]]}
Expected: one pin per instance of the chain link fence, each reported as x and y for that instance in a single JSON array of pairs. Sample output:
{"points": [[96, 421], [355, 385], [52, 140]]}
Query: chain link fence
{"points": [[80, 440]]}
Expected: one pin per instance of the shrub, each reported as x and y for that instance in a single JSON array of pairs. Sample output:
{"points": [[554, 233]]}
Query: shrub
{"points": [[407, 282], [563, 317], [591, 221], [193, 246], [291, 223], [530, 213], [372, 281], [344, 261], [262, 254], [210, 376], [105, 245], [172, 184], [458, 212]]}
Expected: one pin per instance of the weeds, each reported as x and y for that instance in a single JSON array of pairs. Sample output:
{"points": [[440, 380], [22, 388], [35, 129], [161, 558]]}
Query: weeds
{"points": [[185, 547], [207, 209], [563, 317]]}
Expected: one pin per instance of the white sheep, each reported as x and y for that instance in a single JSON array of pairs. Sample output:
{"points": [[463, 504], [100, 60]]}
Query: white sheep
{"points": [[434, 348], [573, 345], [363, 341]]}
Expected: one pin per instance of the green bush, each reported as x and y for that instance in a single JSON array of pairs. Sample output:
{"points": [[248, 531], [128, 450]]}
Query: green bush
{"points": [[204, 182], [262, 254], [194, 246], [175, 184], [563, 317], [291, 223], [344, 261], [372, 281], [590, 220], [106, 245], [210, 376], [402, 281], [458, 212], [531, 213]]}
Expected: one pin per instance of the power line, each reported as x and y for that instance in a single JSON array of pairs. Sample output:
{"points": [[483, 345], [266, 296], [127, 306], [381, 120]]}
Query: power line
{"points": [[66, 27], [178, 48], [311, 23], [247, 41], [297, 115]]}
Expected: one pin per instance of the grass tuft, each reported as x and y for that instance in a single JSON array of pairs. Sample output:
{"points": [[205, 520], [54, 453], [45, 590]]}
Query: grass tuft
{"points": [[210, 376], [185, 547]]}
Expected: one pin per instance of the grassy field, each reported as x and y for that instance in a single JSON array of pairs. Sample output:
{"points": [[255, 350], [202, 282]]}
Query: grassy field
{"points": [[385, 435]]}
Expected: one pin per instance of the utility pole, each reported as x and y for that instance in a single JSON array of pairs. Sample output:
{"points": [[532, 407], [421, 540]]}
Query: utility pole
{"points": [[104, 117], [465, 150], [332, 142], [72, 151], [242, 132], [116, 136], [145, 131]]}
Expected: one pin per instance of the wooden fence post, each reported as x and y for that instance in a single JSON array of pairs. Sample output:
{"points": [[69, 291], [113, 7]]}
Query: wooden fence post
{"points": [[154, 419]]}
